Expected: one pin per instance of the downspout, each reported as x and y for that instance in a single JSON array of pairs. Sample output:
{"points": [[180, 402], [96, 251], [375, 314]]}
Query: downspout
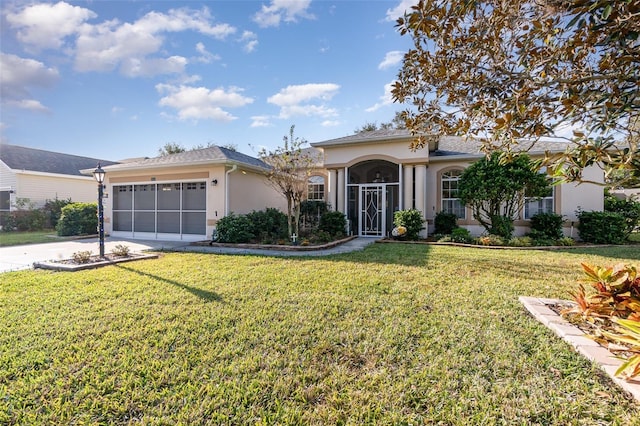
{"points": [[226, 188]]}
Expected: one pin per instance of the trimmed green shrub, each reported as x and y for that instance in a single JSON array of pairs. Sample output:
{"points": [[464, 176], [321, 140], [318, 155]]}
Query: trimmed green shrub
{"points": [[53, 210], [445, 223], [501, 226], [334, 223], [311, 211], [520, 242], [602, 227], [234, 229], [462, 236], [412, 220], [78, 219], [269, 225], [629, 209], [546, 225]]}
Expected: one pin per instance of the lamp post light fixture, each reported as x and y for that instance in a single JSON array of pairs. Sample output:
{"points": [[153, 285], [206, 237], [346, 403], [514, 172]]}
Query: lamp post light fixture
{"points": [[98, 175]]}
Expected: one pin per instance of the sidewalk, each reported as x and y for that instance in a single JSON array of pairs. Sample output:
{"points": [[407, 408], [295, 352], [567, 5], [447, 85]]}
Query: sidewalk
{"points": [[22, 257]]}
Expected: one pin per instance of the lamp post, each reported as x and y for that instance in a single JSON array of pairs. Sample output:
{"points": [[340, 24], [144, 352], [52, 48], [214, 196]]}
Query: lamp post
{"points": [[98, 175]]}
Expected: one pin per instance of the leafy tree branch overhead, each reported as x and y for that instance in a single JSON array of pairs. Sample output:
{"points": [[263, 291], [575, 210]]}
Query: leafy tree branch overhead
{"points": [[513, 71]]}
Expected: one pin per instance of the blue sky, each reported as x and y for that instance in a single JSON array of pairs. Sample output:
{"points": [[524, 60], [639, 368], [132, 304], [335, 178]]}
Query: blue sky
{"points": [[119, 79]]}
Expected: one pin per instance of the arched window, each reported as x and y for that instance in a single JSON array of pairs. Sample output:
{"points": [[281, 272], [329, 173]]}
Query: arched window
{"points": [[316, 188], [449, 186]]}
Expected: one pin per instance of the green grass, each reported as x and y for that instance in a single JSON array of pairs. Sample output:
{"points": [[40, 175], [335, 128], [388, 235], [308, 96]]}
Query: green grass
{"points": [[395, 334], [33, 237]]}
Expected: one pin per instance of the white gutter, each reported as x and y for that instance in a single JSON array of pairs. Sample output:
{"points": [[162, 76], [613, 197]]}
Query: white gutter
{"points": [[226, 188]]}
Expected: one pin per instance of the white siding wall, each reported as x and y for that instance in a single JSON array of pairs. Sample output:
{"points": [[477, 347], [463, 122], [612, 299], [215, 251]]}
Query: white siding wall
{"points": [[40, 188]]}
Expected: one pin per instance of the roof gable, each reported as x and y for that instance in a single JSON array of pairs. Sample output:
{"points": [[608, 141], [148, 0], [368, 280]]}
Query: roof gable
{"points": [[20, 158]]}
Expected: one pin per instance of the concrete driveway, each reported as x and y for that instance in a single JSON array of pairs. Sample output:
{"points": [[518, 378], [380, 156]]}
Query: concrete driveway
{"points": [[22, 257]]}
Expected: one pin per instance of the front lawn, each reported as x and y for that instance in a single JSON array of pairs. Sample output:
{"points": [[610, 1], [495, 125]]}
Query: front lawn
{"points": [[395, 334], [31, 237]]}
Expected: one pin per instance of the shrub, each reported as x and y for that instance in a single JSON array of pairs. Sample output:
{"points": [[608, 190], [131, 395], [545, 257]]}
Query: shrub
{"points": [[234, 229], [412, 220], [268, 225], [311, 211], [461, 235], [78, 219], [445, 223], [613, 311], [501, 226], [26, 218], [629, 209], [121, 250], [81, 256], [333, 223], [53, 210], [547, 225], [566, 241], [520, 242], [491, 240], [602, 227]]}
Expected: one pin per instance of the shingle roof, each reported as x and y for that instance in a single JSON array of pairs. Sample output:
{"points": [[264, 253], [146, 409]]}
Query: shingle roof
{"points": [[37, 160], [447, 145], [213, 155]]}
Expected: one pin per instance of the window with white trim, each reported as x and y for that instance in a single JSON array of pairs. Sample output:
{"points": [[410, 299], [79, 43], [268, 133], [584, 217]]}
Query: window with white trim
{"points": [[535, 205], [316, 188], [5, 201], [449, 193]]}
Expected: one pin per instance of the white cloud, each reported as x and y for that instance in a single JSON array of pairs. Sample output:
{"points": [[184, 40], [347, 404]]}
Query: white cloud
{"points": [[261, 121], [302, 100], [292, 95], [111, 44], [400, 9], [195, 103], [391, 59], [282, 10], [46, 25], [18, 75], [250, 41], [330, 123], [29, 104], [385, 99], [205, 56]]}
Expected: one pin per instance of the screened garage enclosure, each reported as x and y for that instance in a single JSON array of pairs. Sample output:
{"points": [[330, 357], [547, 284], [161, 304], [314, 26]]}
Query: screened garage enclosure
{"points": [[157, 210]]}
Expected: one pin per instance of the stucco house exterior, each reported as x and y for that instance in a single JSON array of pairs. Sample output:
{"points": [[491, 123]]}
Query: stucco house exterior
{"points": [[182, 196], [373, 174], [367, 176], [39, 175]]}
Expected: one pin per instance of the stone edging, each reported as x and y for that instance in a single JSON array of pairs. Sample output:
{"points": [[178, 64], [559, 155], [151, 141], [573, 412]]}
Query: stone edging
{"points": [[277, 246], [72, 267], [588, 348]]}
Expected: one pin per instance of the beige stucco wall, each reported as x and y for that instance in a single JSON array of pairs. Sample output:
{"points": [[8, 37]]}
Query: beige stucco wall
{"points": [[250, 191], [396, 151], [568, 198]]}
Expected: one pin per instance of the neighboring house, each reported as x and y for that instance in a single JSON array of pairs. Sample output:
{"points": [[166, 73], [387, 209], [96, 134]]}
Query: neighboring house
{"points": [[367, 176], [182, 196], [38, 175]]}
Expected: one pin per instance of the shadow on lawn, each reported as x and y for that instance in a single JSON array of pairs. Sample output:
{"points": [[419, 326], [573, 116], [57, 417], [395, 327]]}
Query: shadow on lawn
{"points": [[209, 296]]}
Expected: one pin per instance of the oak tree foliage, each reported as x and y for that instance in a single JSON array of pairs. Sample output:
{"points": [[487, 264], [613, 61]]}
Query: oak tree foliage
{"points": [[520, 70]]}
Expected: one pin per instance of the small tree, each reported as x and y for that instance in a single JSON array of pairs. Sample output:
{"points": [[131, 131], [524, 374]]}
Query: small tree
{"points": [[495, 191], [289, 172]]}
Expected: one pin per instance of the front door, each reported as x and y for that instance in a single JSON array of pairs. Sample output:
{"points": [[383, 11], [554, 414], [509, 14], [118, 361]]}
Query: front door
{"points": [[372, 215]]}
